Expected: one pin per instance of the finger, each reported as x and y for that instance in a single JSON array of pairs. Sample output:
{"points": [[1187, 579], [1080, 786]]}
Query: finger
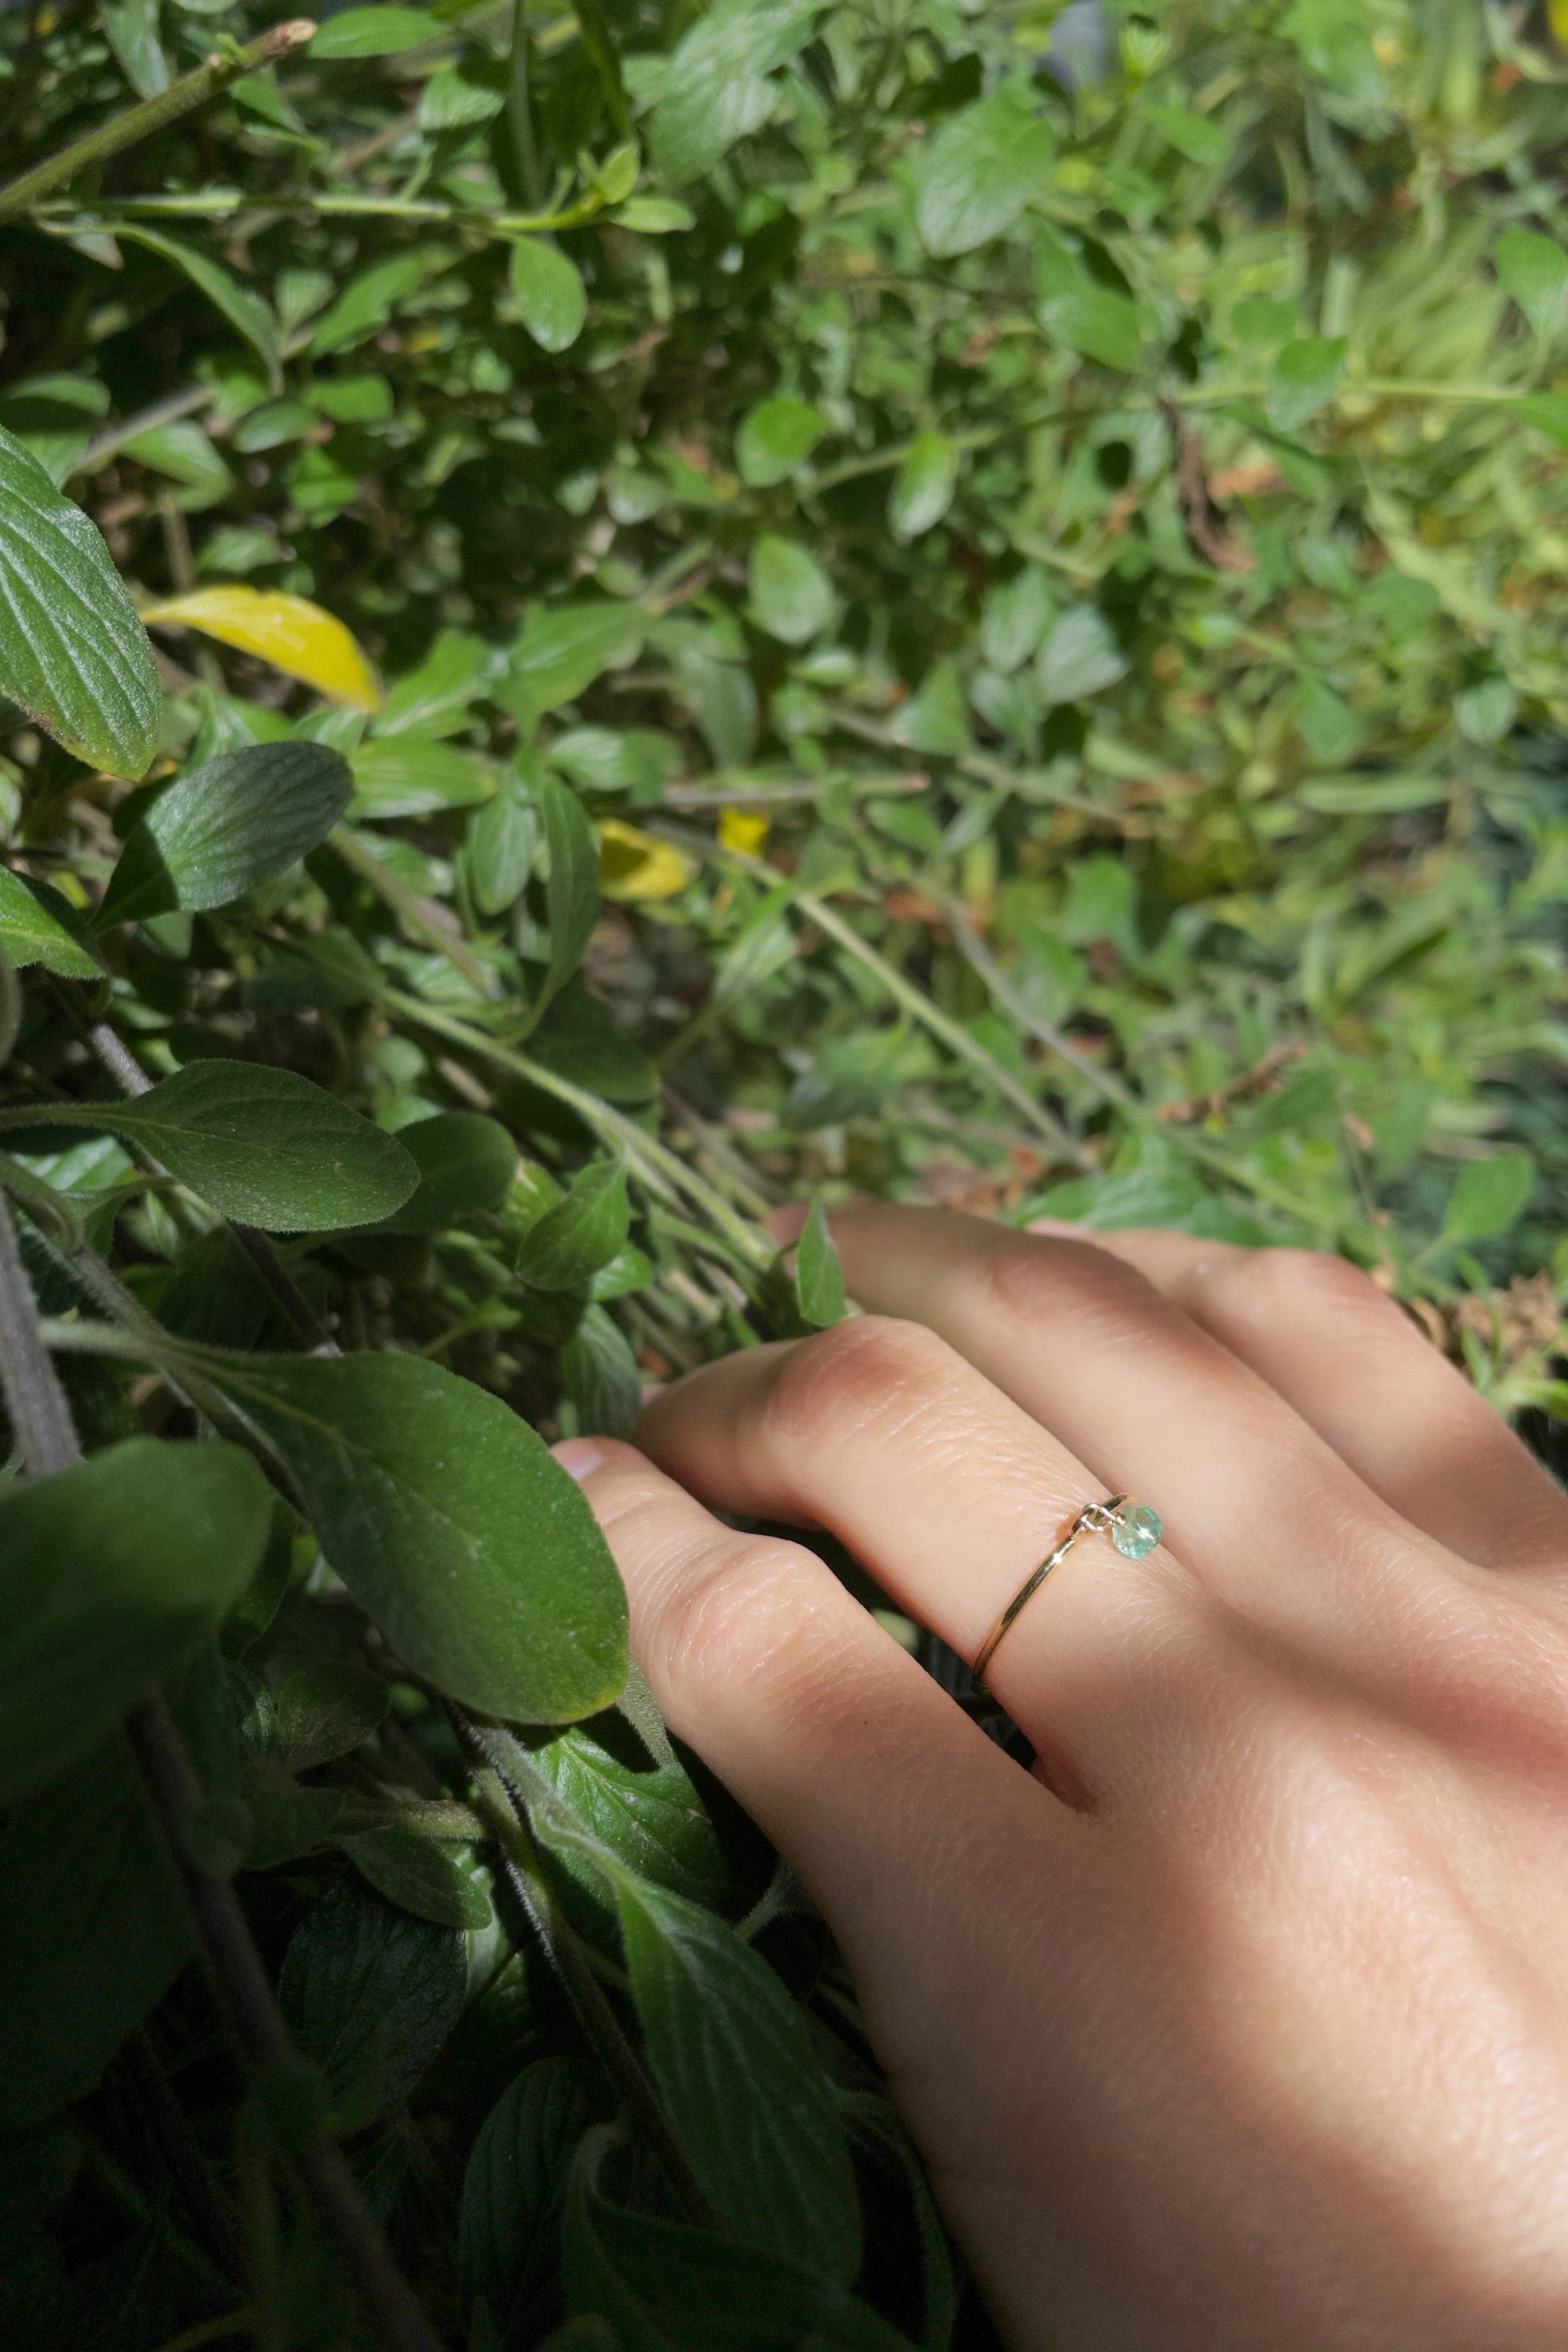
{"points": [[1253, 1501], [1341, 1353], [879, 1791], [951, 1495]]}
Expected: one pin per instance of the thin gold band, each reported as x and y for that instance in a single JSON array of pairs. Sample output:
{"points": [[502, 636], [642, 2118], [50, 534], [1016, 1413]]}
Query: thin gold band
{"points": [[1095, 1518]]}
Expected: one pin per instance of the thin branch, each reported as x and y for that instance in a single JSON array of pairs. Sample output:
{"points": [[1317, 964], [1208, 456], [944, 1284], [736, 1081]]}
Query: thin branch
{"points": [[34, 1401], [139, 123]]}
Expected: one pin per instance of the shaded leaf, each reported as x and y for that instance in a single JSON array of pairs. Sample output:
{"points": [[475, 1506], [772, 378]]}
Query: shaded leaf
{"points": [[1490, 1196], [726, 2043], [923, 487], [419, 1876], [582, 1232], [515, 2185], [109, 1575], [245, 310], [466, 1164], [370, 1994], [792, 596], [572, 891], [1080, 656]]}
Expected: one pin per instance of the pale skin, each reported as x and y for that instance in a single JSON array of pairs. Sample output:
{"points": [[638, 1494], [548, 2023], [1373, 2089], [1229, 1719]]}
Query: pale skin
{"points": [[1242, 2022]]}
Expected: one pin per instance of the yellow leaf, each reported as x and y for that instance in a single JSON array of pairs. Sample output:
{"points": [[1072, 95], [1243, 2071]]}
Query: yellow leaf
{"points": [[633, 864], [295, 635], [1557, 18], [740, 831]]}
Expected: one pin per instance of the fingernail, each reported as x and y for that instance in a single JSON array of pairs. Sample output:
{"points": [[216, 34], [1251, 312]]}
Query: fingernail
{"points": [[579, 1456], [784, 1224], [1063, 1225]]}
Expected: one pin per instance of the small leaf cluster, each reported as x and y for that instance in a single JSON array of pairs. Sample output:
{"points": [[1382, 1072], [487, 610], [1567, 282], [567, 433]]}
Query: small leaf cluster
{"points": [[612, 618]]}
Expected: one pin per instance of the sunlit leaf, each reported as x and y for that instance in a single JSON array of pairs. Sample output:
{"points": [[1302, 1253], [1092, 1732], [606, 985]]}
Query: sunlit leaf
{"points": [[637, 865], [295, 635]]}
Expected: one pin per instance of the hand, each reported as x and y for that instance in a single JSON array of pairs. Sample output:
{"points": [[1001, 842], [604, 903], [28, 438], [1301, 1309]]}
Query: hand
{"points": [[1243, 2021]]}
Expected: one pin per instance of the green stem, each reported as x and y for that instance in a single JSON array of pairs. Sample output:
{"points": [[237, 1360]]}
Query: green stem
{"points": [[415, 912], [913, 1001], [518, 109], [154, 114], [662, 1172]]}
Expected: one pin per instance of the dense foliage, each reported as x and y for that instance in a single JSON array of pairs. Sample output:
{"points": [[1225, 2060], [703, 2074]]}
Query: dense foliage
{"points": [[718, 606]]}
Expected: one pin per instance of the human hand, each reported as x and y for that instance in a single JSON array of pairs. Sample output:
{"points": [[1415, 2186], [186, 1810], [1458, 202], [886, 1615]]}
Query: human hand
{"points": [[1243, 2021]]}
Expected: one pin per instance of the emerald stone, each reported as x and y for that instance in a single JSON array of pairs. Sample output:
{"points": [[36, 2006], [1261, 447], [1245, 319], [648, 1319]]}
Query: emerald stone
{"points": [[1137, 1531]]}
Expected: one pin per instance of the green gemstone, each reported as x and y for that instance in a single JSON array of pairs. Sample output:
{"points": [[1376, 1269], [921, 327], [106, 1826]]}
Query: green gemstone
{"points": [[1137, 1531]]}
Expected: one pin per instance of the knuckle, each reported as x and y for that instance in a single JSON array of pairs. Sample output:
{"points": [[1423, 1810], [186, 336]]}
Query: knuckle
{"points": [[735, 1624], [831, 1385], [1030, 1280], [1283, 1284]]}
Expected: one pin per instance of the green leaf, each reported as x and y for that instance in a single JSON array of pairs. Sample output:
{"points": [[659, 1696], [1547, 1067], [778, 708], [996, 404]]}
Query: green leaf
{"points": [[515, 2185], [222, 828], [375, 33], [923, 487], [1305, 377], [265, 1145], [818, 1277], [1535, 270], [453, 1525], [434, 699], [729, 2052], [980, 170], [131, 28], [600, 1375], [579, 1038], [1192, 135], [776, 439], [370, 1994], [39, 926], [584, 1231], [792, 596], [499, 846], [1080, 655], [466, 1164], [664, 2284], [1332, 729], [96, 1931], [419, 1876], [1488, 1197], [1547, 411], [654, 216], [245, 312], [1097, 321], [654, 1822], [718, 89], [561, 652], [367, 303], [109, 1575], [72, 652], [572, 892], [549, 291], [459, 96], [875, 2129], [616, 759], [415, 775]]}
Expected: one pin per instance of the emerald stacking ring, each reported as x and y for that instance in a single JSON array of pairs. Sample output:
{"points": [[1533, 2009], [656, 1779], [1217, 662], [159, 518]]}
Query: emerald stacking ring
{"points": [[1132, 1528]]}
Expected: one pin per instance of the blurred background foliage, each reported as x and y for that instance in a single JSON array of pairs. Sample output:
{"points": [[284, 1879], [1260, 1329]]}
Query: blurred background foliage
{"points": [[1035, 536]]}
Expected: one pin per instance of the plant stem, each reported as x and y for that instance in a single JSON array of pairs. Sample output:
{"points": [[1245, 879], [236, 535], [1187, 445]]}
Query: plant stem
{"points": [[415, 911], [41, 1419], [139, 123], [519, 108]]}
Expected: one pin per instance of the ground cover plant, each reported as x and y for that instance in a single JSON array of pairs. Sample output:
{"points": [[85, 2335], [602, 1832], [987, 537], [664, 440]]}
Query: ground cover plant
{"points": [[610, 618]]}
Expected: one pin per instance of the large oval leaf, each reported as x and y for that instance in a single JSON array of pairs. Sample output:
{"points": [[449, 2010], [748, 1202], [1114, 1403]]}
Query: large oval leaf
{"points": [[225, 826], [295, 635], [265, 1145], [452, 1523], [72, 651], [371, 1993], [95, 1931], [109, 1573]]}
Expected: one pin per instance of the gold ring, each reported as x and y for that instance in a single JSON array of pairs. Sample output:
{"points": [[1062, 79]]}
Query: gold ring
{"points": [[1132, 1528]]}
